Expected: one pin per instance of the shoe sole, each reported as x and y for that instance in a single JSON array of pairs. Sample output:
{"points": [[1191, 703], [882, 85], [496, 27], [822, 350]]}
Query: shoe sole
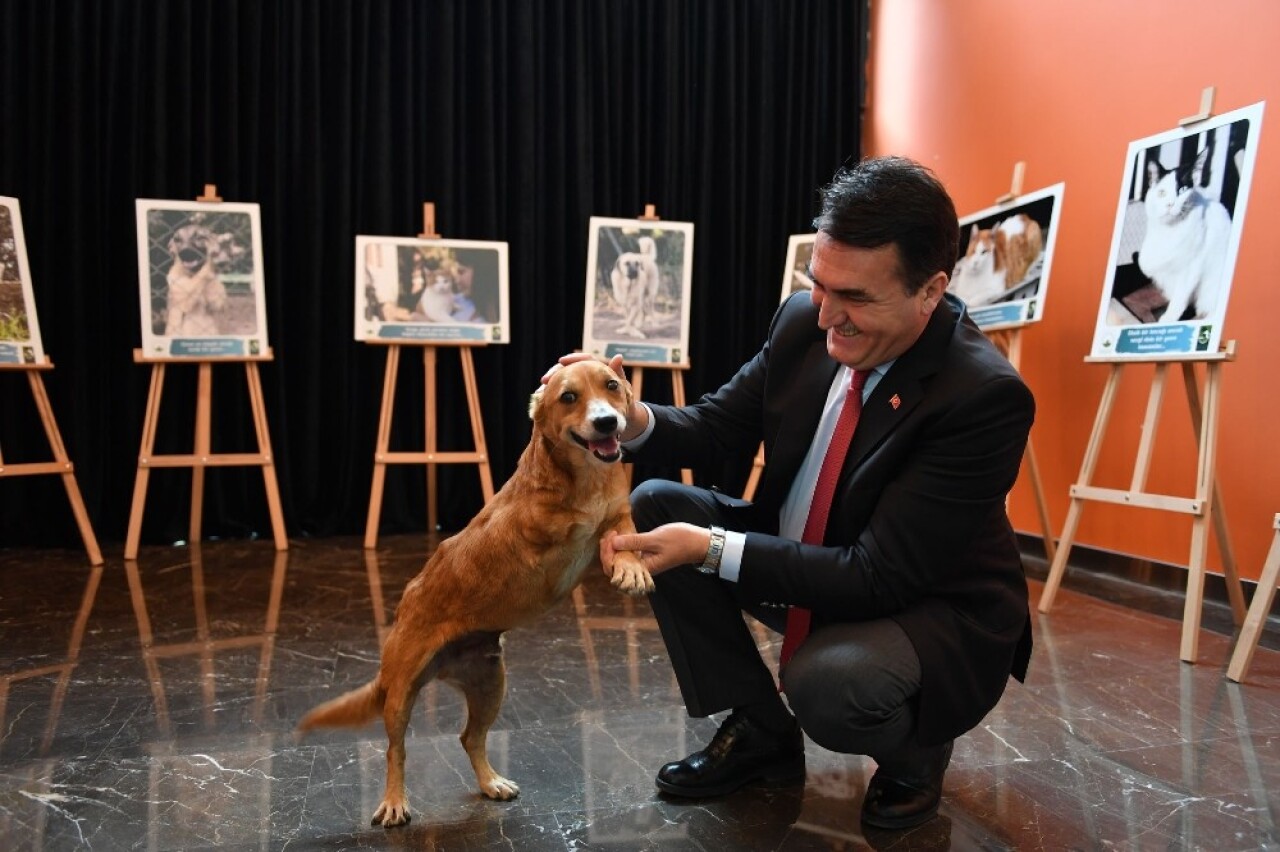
{"points": [[900, 822], [789, 778]]}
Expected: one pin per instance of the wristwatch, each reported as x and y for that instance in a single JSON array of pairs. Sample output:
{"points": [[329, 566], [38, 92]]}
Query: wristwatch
{"points": [[715, 550]]}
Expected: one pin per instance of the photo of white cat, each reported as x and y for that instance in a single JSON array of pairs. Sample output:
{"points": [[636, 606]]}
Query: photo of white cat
{"points": [[1005, 253], [1177, 233]]}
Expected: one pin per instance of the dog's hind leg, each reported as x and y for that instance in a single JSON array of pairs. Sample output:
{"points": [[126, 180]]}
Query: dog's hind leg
{"points": [[402, 675], [477, 670]]}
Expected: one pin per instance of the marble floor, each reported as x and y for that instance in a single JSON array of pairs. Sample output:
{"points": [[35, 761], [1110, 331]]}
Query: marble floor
{"points": [[150, 705]]}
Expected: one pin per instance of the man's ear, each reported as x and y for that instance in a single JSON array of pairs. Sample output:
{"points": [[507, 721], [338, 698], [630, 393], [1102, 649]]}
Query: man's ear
{"points": [[933, 291], [534, 399]]}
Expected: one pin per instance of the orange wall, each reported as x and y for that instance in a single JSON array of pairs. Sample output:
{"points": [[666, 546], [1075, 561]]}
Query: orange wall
{"points": [[970, 88]]}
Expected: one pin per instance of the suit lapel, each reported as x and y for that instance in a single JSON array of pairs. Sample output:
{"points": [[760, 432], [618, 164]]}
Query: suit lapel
{"points": [[813, 381]]}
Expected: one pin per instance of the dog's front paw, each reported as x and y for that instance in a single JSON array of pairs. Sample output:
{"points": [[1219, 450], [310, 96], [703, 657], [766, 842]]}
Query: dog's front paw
{"points": [[390, 815], [500, 788], [630, 576]]}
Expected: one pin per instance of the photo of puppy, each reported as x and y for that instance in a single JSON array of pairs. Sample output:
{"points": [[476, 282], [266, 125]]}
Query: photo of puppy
{"points": [[635, 280], [521, 555]]}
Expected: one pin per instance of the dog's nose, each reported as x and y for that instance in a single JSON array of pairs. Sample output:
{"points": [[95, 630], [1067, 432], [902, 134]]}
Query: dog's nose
{"points": [[606, 424]]}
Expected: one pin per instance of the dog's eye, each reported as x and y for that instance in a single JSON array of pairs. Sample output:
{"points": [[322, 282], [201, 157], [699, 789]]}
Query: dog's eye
{"points": [[612, 385], [568, 397]]}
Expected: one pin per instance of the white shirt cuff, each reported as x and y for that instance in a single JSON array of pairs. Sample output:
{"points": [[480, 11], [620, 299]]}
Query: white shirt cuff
{"points": [[638, 441], [731, 560]]}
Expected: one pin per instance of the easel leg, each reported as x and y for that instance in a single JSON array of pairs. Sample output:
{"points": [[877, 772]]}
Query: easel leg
{"points": [[144, 461], [1059, 566], [1034, 469], [477, 423], [429, 378], [383, 446], [268, 457], [1200, 526], [1258, 609], [68, 473], [1234, 591], [204, 409]]}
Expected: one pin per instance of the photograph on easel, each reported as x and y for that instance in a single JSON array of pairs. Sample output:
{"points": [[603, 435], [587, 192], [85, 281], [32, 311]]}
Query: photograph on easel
{"points": [[1002, 272], [795, 275], [200, 279], [1177, 232], [639, 280], [19, 328], [432, 290]]}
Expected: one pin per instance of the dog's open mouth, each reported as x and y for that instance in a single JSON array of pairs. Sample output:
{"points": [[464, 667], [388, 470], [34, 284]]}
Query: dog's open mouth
{"points": [[606, 449], [191, 258]]}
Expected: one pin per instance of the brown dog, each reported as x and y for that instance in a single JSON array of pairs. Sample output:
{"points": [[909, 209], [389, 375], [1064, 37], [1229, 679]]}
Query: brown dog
{"points": [[525, 551]]}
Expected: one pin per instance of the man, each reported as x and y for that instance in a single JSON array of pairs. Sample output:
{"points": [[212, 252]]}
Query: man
{"points": [[914, 586]]}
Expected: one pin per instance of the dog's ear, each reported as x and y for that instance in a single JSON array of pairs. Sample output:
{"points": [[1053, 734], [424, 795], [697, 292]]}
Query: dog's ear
{"points": [[534, 399]]}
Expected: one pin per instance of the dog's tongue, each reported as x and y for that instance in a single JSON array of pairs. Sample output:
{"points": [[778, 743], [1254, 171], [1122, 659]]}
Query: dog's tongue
{"points": [[606, 447]]}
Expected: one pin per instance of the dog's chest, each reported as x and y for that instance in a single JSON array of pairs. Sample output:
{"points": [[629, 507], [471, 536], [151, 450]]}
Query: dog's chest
{"points": [[580, 549]]}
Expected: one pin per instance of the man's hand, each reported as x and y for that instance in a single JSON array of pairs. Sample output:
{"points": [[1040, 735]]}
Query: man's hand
{"points": [[659, 549], [615, 364]]}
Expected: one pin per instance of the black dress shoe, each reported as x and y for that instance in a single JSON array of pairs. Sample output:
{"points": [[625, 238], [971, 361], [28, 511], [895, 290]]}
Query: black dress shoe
{"points": [[903, 802], [740, 753]]}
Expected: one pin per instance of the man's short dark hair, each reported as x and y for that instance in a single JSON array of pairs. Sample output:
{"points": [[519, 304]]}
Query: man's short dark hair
{"points": [[893, 200]]}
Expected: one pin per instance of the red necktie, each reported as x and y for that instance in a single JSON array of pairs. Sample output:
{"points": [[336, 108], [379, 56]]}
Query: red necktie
{"points": [[816, 524]]}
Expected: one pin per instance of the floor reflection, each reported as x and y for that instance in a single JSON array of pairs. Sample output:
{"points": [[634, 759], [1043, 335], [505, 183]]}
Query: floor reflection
{"points": [[150, 704]]}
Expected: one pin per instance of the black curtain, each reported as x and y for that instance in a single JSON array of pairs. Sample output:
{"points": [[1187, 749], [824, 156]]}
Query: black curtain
{"points": [[519, 120]]}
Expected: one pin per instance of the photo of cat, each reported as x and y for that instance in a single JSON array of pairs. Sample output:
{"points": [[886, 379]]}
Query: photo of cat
{"points": [[1177, 232], [1005, 252]]}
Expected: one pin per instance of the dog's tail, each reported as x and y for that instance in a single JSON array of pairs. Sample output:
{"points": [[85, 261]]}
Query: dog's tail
{"points": [[355, 708]]}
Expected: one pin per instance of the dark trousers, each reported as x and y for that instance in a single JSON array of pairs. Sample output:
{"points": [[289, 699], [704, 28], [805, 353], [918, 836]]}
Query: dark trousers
{"points": [[853, 686]]}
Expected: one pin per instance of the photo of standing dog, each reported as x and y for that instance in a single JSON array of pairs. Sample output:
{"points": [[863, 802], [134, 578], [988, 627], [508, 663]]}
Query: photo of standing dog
{"points": [[521, 555], [196, 296], [635, 279]]}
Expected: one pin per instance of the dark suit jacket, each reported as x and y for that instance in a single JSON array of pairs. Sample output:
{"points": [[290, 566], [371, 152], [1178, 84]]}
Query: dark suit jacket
{"points": [[918, 531]]}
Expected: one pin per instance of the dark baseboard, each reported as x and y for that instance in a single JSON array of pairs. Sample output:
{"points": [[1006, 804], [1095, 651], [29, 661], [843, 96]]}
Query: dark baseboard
{"points": [[1145, 584]]}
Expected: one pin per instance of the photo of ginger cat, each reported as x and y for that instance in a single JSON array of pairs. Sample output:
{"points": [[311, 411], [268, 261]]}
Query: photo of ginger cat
{"points": [[998, 259]]}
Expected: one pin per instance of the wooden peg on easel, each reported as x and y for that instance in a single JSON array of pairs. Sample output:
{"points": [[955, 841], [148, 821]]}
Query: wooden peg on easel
{"points": [[650, 214], [428, 222], [210, 193], [1015, 185], [1206, 108]]}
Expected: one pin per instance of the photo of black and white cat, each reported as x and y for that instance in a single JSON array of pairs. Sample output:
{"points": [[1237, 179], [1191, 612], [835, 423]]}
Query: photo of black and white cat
{"points": [[1177, 232]]}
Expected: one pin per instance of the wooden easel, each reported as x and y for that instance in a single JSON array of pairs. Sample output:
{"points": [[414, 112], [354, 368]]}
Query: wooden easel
{"points": [[1204, 507], [431, 457], [676, 371], [1258, 609], [201, 457], [61, 464]]}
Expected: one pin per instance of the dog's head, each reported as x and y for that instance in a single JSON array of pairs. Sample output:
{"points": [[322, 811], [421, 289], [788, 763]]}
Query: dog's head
{"points": [[190, 246], [630, 264], [583, 405]]}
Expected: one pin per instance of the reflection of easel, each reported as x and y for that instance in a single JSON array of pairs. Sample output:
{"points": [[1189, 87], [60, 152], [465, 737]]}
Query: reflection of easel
{"points": [[676, 371], [1205, 506], [431, 457], [62, 671], [1263, 595], [204, 646], [201, 457], [61, 464]]}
